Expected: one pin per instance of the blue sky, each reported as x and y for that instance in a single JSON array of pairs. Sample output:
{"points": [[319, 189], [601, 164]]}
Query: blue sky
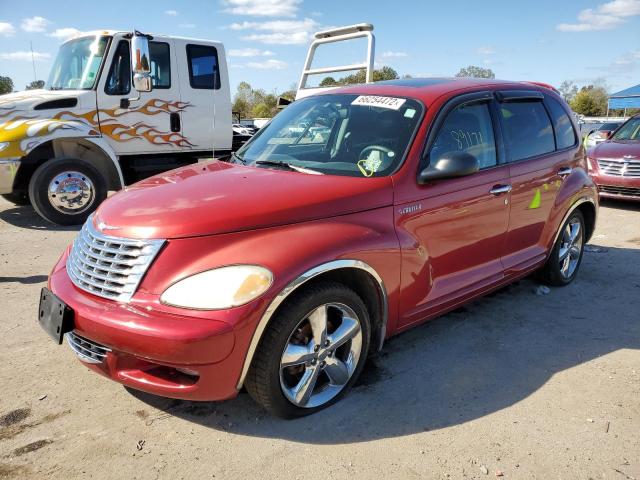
{"points": [[543, 40]]}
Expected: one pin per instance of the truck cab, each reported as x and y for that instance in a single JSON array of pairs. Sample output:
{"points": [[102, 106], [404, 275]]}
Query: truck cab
{"points": [[90, 130]]}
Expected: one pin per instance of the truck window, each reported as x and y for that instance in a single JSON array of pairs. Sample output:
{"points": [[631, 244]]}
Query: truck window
{"points": [[203, 67], [119, 79]]}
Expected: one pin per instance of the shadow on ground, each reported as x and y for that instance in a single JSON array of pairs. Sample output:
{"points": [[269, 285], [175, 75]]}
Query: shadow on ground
{"points": [[25, 280], [482, 358], [629, 206], [26, 217]]}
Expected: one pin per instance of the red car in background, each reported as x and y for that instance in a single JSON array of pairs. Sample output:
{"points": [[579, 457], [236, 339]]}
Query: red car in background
{"points": [[283, 270], [614, 164]]}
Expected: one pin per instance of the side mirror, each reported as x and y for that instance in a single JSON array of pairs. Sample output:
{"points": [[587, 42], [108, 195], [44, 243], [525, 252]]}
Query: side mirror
{"points": [[450, 165], [282, 102], [140, 63]]}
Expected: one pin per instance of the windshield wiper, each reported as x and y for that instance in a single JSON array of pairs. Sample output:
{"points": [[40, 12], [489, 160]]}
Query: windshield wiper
{"points": [[278, 163], [235, 156]]}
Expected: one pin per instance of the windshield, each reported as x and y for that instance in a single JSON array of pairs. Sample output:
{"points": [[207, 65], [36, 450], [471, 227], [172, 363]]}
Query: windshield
{"points": [[77, 64], [351, 135], [629, 131]]}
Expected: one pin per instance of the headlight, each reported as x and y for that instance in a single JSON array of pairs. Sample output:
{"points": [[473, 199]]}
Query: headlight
{"points": [[220, 288]]}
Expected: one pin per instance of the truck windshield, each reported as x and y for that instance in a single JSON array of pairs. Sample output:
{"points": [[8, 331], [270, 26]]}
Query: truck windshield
{"points": [[77, 64], [629, 131], [351, 135]]}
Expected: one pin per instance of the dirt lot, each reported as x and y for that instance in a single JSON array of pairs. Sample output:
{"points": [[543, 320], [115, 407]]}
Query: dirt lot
{"points": [[516, 384]]}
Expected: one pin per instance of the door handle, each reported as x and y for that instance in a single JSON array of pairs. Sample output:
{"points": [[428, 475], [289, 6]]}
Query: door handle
{"points": [[500, 189], [563, 172], [174, 121]]}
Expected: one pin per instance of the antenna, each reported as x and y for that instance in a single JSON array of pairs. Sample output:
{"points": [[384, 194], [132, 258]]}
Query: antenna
{"points": [[33, 62]]}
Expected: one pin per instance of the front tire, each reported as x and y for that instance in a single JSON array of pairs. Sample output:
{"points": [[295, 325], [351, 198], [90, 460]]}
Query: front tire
{"points": [[564, 261], [66, 191], [312, 352]]}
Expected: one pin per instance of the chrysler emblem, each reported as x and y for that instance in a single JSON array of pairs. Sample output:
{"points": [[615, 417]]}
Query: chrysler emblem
{"points": [[103, 226]]}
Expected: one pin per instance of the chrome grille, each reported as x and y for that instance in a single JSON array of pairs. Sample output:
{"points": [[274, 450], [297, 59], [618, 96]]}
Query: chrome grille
{"points": [[619, 168], [110, 267], [86, 350]]}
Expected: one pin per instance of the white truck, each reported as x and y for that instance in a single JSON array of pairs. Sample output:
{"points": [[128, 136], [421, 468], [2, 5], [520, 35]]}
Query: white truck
{"points": [[118, 107]]}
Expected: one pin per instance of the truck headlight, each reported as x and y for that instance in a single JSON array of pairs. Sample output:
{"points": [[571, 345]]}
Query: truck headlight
{"points": [[220, 288]]}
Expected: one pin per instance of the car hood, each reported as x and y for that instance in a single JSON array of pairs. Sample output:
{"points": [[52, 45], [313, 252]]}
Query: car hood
{"points": [[44, 100], [217, 197], [617, 149]]}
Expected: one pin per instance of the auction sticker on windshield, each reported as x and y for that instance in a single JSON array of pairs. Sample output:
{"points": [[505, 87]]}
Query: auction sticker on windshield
{"points": [[376, 101]]}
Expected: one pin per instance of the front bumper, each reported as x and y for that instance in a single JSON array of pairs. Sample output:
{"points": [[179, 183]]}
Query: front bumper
{"points": [[617, 187], [178, 356], [8, 171]]}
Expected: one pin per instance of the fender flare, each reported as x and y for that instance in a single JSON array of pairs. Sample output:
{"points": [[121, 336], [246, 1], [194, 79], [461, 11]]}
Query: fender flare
{"points": [[297, 283]]}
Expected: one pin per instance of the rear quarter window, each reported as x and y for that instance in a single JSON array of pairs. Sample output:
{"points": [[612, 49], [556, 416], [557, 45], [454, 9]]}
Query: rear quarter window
{"points": [[527, 129], [565, 134]]}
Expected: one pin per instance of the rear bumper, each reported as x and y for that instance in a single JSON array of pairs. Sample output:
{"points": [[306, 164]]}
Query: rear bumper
{"points": [[171, 355], [8, 171]]}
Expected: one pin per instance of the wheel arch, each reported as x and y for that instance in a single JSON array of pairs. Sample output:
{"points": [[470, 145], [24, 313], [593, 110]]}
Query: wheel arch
{"points": [[94, 151], [356, 274], [587, 207]]}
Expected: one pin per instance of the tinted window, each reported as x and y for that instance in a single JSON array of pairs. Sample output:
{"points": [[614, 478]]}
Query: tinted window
{"points": [[467, 129], [629, 131], [160, 64], [203, 67], [119, 79], [527, 129], [565, 135]]}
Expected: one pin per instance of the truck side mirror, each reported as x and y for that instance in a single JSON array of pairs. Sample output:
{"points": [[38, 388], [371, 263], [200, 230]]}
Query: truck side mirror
{"points": [[140, 63]]}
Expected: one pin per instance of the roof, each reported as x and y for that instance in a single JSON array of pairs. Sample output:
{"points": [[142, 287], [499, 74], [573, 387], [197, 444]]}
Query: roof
{"points": [[628, 98], [155, 35], [428, 89]]}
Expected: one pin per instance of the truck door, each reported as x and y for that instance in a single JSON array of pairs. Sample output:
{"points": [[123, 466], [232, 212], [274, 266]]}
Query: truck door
{"points": [[151, 123], [204, 82]]}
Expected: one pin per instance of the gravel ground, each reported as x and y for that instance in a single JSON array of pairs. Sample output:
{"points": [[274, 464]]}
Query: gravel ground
{"points": [[517, 384]]}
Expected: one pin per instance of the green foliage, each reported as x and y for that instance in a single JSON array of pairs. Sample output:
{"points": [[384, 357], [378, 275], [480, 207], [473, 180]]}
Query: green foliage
{"points": [[590, 101], [384, 73], [256, 103], [476, 72], [6, 85], [35, 85]]}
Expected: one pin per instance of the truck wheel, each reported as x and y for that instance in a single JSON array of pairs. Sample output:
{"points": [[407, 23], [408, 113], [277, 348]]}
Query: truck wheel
{"points": [[563, 263], [65, 191], [17, 198], [312, 352]]}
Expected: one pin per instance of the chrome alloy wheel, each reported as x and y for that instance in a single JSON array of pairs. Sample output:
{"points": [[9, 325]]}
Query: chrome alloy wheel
{"points": [[71, 192], [321, 355], [570, 248]]}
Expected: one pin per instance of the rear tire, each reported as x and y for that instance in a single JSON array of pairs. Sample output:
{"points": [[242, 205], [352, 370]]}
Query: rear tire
{"points": [[18, 198], [66, 191], [564, 261], [293, 353]]}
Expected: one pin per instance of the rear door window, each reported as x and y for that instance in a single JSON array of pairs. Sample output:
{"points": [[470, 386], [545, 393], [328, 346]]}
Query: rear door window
{"points": [[468, 129], [565, 135], [203, 67], [526, 129]]}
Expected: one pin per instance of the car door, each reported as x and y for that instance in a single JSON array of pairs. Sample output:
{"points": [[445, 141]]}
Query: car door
{"points": [[452, 232], [536, 170], [147, 122]]}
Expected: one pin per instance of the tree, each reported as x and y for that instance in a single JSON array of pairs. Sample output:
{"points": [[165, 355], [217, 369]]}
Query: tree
{"points": [[256, 103], [590, 101], [384, 73], [568, 89], [476, 72], [35, 85], [6, 85]]}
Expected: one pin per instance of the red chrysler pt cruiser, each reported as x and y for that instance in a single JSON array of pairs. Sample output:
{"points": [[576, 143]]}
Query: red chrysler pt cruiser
{"points": [[353, 216]]}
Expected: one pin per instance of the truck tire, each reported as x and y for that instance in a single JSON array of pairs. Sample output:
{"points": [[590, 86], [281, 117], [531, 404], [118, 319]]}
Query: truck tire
{"points": [[65, 191], [17, 198]]}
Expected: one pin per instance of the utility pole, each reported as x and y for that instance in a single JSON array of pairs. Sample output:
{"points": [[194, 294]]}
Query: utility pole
{"points": [[33, 62]]}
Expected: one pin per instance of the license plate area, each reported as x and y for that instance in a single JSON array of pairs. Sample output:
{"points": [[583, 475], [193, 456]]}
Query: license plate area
{"points": [[55, 317]]}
